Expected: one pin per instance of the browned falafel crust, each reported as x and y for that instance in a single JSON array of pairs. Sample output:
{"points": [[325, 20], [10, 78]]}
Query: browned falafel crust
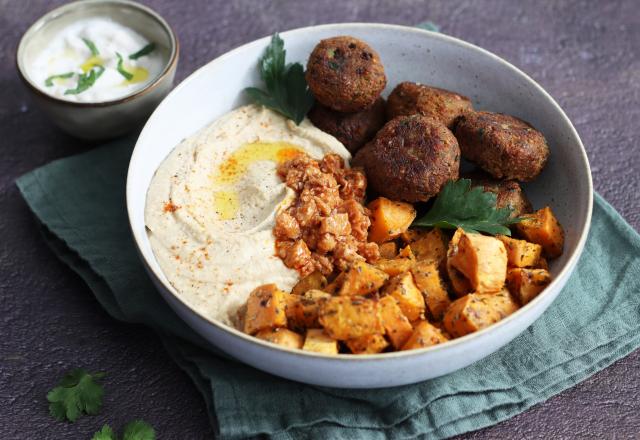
{"points": [[410, 158], [410, 98], [509, 193], [504, 146], [352, 129], [345, 74]]}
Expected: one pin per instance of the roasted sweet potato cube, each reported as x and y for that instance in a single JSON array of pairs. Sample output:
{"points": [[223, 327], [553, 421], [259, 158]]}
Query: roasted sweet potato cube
{"points": [[388, 250], [368, 344], [318, 341], [427, 279], [334, 286], [281, 336], [411, 235], [266, 308], [544, 229], [482, 260], [389, 219], [401, 263], [424, 335], [404, 290], [520, 253], [476, 311], [542, 264], [302, 310], [526, 284], [315, 280], [431, 247], [362, 278], [350, 317], [459, 283], [396, 325]]}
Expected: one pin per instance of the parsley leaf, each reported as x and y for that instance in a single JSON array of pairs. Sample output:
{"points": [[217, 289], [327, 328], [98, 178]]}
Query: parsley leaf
{"points": [[92, 47], [86, 80], [49, 81], [106, 433], [286, 91], [144, 51], [138, 430], [76, 393], [121, 70], [472, 209]]}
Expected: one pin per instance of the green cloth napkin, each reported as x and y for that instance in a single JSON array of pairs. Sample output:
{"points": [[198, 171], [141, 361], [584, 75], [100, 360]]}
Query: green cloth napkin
{"points": [[595, 321]]}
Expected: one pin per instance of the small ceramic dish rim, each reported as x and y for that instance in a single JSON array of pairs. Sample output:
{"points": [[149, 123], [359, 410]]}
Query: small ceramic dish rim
{"points": [[67, 8], [564, 272]]}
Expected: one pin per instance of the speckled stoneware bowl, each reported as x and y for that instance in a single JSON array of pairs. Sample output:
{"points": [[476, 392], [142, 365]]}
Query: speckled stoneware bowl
{"points": [[407, 54], [106, 119]]}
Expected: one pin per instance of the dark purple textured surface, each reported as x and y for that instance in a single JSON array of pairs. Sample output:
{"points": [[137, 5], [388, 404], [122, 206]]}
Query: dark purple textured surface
{"points": [[586, 54]]}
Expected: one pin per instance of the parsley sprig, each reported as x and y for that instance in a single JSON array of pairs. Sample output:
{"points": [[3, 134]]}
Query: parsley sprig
{"points": [[286, 91], [136, 430], [472, 209], [77, 393]]}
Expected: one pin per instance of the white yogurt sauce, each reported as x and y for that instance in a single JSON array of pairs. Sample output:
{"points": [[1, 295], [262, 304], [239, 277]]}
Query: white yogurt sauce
{"points": [[68, 53]]}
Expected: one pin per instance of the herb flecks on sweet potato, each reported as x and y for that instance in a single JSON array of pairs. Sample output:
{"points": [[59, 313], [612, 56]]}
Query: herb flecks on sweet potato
{"points": [[424, 334], [389, 219], [318, 341], [281, 336], [368, 344], [482, 260], [543, 228], [396, 325], [350, 317], [427, 279], [362, 278], [521, 253], [525, 284], [265, 309], [403, 288], [476, 311]]}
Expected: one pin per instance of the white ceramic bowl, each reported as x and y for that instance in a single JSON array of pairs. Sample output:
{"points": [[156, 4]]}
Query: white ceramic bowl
{"points": [[408, 54]]}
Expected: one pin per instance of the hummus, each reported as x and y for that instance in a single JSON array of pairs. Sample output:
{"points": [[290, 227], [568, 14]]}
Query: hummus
{"points": [[211, 207]]}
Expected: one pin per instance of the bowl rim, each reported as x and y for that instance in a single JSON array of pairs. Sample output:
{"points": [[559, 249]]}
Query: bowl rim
{"points": [[53, 14], [558, 279]]}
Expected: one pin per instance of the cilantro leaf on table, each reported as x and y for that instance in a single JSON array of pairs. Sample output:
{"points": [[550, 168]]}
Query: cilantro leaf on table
{"points": [[106, 433], [77, 393], [138, 430], [286, 91], [472, 209]]}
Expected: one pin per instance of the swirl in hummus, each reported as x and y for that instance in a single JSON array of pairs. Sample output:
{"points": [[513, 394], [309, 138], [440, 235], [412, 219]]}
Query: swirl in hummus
{"points": [[211, 207]]}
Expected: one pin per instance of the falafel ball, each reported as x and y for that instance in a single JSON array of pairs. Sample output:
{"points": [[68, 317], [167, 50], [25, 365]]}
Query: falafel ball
{"points": [[352, 129], [409, 98], [503, 145], [509, 193], [345, 74], [410, 158]]}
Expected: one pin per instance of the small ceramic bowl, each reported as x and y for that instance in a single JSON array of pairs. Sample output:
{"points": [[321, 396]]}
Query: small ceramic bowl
{"points": [[106, 119], [408, 54]]}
